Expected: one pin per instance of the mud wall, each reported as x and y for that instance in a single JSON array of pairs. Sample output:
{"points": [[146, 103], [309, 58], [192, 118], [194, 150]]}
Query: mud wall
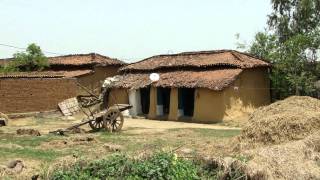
{"points": [[118, 96], [250, 91], [94, 81], [19, 95]]}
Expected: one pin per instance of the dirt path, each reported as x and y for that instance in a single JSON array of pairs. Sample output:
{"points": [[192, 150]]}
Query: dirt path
{"points": [[143, 125], [44, 125]]}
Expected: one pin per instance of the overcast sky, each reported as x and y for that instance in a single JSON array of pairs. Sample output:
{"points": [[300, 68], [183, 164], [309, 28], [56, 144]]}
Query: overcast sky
{"points": [[129, 29]]}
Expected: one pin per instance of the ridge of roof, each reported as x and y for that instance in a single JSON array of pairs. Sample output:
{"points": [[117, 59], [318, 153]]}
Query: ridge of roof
{"points": [[92, 55], [234, 53]]}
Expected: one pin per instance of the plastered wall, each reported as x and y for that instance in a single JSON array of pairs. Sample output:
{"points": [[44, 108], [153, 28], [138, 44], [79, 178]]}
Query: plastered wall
{"points": [[250, 91]]}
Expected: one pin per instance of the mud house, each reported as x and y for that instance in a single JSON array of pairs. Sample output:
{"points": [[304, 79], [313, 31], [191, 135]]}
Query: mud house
{"points": [[89, 69], [42, 91], [206, 86]]}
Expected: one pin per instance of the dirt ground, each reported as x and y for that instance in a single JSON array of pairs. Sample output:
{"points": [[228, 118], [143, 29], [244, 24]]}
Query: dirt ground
{"points": [[137, 138], [140, 125]]}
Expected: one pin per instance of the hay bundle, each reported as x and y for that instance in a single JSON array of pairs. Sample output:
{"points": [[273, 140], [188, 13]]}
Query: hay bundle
{"points": [[291, 119]]}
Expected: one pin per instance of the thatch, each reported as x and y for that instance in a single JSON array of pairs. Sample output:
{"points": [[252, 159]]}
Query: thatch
{"points": [[84, 59], [202, 59], [211, 79]]}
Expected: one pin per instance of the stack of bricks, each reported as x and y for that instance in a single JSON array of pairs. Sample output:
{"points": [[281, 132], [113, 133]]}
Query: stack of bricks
{"points": [[19, 95]]}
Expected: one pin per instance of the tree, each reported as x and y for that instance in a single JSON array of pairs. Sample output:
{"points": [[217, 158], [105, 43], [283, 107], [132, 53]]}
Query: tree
{"points": [[31, 60], [292, 17], [291, 44]]}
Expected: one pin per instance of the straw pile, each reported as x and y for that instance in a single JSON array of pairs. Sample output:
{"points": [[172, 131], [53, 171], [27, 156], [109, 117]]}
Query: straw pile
{"points": [[291, 119], [289, 131], [292, 160]]}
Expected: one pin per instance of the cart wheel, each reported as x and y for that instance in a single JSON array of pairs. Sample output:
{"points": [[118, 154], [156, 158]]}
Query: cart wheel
{"points": [[113, 120], [97, 124]]}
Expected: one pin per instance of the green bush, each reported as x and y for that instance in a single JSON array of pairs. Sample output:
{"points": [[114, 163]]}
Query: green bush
{"points": [[158, 166]]}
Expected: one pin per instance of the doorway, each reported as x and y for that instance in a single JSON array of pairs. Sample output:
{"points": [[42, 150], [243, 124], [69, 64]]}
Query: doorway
{"points": [[163, 101], [186, 101], [145, 99]]}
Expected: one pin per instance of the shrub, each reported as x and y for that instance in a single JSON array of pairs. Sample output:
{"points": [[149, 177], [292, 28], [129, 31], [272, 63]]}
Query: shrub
{"points": [[159, 166]]}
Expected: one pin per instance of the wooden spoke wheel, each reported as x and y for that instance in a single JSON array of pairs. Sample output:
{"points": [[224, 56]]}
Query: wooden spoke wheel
{"points": [[97, 124], [113, 120]]}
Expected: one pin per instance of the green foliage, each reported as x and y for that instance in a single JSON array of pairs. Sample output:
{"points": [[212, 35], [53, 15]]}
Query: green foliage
{"points": [[159, 166], [292, 17], [264, 46], [291, 45], [31, 60]]}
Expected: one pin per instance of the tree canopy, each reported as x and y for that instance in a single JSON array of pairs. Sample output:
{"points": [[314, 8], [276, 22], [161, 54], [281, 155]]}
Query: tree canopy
{"points": [[291, 43], [31, 60]]}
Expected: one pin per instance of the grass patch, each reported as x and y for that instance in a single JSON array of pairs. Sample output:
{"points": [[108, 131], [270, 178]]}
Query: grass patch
{"points": [[113, 137], [203, 132], [47, 155], [26, 141], [219, 133]]}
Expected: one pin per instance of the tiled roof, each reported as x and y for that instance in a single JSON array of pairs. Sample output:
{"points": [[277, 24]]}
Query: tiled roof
{"points": [[79, 59], [201, 59], [74, 73], [46, 74], [84, 59], [31, 75], [211, 79]]}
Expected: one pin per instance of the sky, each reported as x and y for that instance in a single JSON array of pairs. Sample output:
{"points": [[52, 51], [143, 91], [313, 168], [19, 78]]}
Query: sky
{"points": [[129, 30]]}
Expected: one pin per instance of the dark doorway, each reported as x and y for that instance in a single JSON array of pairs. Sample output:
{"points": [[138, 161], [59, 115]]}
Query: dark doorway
{"points": [[145, 99], [163, 98], [186, 101]]}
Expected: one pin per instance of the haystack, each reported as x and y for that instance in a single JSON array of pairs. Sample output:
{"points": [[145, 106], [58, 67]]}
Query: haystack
{"points": [[291, 119], [292, 160]]}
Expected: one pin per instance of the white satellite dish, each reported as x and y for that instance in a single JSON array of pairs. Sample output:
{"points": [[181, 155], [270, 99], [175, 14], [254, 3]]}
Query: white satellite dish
{"points": [[154, 77]]}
